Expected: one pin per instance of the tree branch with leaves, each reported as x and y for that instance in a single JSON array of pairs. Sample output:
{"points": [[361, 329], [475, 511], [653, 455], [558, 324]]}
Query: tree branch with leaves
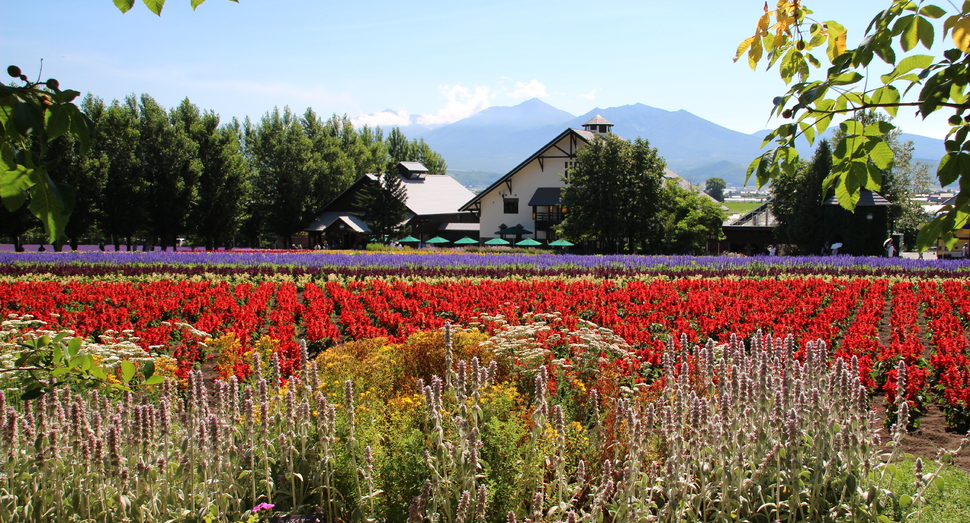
{"points": [[154, 6], [788, 39], [32, 115]]}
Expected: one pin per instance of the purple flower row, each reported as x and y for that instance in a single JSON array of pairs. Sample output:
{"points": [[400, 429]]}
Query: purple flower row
{"points": [[337, 260]]}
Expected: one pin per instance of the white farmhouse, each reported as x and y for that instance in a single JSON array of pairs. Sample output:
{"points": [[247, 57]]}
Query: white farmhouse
{"points": [[528, 196]]}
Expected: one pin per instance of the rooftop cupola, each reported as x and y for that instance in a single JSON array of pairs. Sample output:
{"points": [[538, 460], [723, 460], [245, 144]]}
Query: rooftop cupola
{"points": [[598, 125], [412, 170]]}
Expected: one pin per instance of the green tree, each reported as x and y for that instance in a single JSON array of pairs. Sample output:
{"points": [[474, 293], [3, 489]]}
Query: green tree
{"points": [[689, 219], [365, 147], [384, 206], [788, 37], [223, 184], [83, 170], [122, 204], [613, 195], [402, 150], [333, 169], [281, 156], [797, 203], [169, 163], [714, 187]]}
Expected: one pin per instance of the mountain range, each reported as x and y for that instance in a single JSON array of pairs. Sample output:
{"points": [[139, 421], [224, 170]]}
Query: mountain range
{"points": [[486, 145]]}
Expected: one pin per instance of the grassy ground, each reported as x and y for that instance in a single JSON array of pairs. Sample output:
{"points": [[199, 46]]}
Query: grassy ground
{"points": [[741, 207], [946, 502]]}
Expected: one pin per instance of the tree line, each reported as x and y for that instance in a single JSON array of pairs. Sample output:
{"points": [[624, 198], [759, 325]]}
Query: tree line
{"points": [[153, 175]]}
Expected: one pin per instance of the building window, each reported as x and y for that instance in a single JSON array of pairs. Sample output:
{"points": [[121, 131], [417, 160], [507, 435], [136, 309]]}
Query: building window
{"points": [[511, 206]]}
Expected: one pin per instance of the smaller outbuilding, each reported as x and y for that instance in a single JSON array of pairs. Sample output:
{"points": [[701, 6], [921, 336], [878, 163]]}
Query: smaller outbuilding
{"points": [[861, 233], [433, 202]]}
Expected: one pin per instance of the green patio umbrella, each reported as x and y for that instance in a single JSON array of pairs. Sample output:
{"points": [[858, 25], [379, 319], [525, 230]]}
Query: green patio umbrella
{"points": [[409, 239], [518, 230], [466, 241], [528, 242], [497, 241], [561, 243], [437, 239]]}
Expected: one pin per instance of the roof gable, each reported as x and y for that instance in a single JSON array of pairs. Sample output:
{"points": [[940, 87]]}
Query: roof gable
{"points": [[584, 136]]}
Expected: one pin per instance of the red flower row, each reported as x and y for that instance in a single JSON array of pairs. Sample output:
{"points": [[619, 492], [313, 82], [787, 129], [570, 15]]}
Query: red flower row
{"points": [[845, 312]]}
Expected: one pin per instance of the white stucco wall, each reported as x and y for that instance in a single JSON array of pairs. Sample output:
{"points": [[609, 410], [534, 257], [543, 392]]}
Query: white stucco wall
{"points": [[524, 185]]}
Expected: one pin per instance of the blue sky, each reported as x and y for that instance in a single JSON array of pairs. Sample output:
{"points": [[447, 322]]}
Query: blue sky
{"points": [[439, 61]]}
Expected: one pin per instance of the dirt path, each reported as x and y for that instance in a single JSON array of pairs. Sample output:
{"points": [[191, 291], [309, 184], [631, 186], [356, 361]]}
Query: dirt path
{"points": [[932, 434]]}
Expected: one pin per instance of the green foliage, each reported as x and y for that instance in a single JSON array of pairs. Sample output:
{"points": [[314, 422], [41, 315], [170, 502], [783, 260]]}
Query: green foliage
{"points": [[401, 150], [223, 186], [39, 362], [945, 501], [798, 201], [844, 89], [690, 220], [154, 6], [170, 165], [901, 183], [281, 154], [613, 194], [122, 208], [715, 188], [32, 115], [383, 206]]}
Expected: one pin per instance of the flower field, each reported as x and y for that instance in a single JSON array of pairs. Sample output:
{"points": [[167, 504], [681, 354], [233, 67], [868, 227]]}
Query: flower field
{"points": [[928, 319], [368, 322]]}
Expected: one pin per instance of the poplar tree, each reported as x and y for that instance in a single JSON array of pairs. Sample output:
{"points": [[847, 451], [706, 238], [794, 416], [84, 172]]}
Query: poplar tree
{"points": [[282, 161]]}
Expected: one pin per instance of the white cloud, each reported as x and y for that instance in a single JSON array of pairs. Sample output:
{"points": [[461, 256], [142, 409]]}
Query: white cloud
{"points": [[533, 89], [590, 95], [462, 103], [385, 119]]}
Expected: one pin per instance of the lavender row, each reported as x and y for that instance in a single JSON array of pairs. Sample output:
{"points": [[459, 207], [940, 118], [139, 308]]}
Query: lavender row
{"points": [[541, 261]]}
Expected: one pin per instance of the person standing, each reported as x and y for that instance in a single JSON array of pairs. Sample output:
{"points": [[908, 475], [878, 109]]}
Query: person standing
{"points": [[890, 248]]}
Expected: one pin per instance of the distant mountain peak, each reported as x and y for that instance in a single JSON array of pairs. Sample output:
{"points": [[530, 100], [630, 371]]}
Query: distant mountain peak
{"points": [[500, 137]]}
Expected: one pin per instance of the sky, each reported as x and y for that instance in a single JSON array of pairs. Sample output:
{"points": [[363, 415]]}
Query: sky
{"points": [[430, 61]]}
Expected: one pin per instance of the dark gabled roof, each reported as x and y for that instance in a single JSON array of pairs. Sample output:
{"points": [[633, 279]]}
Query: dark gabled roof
{"points": [[327, 219], [546, 196], [585, 136], [434, 195], [867, 198]]}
